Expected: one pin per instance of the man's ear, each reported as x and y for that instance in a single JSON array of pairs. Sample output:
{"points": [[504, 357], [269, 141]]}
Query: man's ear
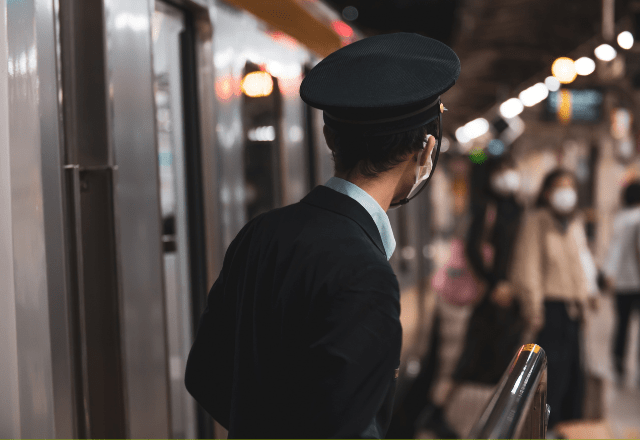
{"points": [[329, 137], [431, 143]]}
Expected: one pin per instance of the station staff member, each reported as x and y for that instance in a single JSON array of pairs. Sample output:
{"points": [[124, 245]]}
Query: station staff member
{"points": [[301, 336]]}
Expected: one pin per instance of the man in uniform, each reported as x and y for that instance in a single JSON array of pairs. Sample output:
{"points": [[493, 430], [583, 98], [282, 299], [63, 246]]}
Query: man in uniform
{"points": [[301, 336]]}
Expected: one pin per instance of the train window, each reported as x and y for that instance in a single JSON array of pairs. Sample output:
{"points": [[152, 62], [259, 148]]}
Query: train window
{"points": [[174, 146], [261, 122]]}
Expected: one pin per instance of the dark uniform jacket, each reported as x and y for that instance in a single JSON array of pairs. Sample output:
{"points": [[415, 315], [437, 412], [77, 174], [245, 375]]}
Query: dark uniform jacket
{"points": [[301, 336]]}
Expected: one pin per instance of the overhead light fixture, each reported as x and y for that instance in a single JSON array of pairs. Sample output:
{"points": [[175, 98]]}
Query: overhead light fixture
{"points": [[585, 66], [625, 40], [461, 135], [534, 94], [257, 84], [605, 52], [552, 83], [472, 130], [511, 107], [564, 70]]}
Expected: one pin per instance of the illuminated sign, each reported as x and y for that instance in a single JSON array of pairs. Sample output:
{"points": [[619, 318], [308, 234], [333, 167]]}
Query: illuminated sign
{"points": [[568, 105]]}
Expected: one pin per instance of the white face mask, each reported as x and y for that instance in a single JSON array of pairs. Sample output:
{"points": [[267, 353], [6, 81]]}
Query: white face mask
{"points": [[422, 172], [507, 182], [564, 200]]}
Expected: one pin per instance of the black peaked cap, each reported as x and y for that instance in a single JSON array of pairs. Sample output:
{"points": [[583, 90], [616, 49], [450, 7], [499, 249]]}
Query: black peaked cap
{"points": [[383, 84]]}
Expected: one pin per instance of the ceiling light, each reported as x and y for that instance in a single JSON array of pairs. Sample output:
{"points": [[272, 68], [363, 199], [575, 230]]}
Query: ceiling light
{"points": [[461, 135], [585, 66], [472, 130], [605, 52], [625, 40], [534, 94], [564, 69], [552, 83], [510, 108]]}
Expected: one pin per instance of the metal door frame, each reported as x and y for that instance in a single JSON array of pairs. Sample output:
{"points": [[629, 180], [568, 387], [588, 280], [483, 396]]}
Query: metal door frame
{"points": [[132, 110]]}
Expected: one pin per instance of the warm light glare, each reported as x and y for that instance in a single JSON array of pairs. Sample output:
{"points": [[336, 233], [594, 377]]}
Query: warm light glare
{"points": [[564, 109], [534, 94], [342, 28], [605, 52], [257, 84], [625, 40], [564, 70], [552, 83], [510, 108], [585, 66]]}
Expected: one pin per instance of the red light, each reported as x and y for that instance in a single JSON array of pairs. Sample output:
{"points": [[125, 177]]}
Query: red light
{"points": [[342, 28], [286, 40]]}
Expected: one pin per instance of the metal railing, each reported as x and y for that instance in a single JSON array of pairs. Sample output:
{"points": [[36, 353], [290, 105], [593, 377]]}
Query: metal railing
{"points": [[518, 408]]}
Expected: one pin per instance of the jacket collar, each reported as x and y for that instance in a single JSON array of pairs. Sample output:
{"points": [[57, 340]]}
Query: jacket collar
{"points": [[331, 200]]}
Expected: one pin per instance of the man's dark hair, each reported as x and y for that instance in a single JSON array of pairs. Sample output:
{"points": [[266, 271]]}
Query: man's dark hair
{"points": [[372, 155], [631, 194]]}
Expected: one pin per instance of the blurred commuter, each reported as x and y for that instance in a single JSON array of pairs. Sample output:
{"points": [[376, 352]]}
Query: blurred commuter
{"points": [[301, 336], [549, 272], [495, 327], [622, 269]]}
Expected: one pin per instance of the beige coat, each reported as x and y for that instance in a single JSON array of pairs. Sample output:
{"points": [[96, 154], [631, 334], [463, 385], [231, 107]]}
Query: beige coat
{"points": [[547, 264]]}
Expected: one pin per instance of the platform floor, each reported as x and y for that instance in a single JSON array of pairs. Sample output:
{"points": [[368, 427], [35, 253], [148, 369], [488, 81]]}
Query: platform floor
{"points": [[621, 401]]}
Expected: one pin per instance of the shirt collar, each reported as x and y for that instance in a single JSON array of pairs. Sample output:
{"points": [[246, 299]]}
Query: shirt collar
{"points": [[374, 209]]}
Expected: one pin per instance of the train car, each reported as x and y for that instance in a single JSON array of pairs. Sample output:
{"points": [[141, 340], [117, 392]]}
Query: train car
{"points": [[138, 138]]}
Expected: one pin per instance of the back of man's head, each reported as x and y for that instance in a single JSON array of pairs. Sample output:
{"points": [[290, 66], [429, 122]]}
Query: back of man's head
{"points": [[371, 155]]}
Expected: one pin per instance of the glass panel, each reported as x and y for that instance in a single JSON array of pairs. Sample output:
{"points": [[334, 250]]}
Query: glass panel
{"points": [[261, 117], [168, 25]]}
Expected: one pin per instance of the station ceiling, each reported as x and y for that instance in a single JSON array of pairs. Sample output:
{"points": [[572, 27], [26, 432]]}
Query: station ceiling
{"points": [[502, 44]]}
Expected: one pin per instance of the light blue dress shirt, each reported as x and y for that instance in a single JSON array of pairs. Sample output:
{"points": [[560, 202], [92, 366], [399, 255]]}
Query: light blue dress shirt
{"points": [[374, 209]]}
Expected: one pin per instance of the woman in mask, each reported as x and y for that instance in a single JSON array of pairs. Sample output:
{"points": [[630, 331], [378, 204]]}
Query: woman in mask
{"points": [[495, 326], [548, 271]]}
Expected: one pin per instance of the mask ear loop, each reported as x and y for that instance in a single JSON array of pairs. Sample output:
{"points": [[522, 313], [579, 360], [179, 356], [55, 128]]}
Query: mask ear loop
{"points": [[433, 168]]}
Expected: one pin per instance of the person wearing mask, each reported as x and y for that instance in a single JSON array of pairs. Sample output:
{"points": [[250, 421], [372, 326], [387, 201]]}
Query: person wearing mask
{"points": [[495, 327], [301, 336], [622, 270], [554, 279]]}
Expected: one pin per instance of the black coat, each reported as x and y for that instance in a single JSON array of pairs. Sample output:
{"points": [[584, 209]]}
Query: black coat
{"points": [[301, 336]]}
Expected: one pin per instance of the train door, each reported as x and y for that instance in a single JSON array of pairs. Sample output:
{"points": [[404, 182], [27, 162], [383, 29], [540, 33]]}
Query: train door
{"points": [[179, 180]]}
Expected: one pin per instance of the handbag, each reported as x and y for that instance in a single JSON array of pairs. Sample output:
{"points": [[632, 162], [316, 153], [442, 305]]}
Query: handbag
{"points": [[493, 336], [454, 282]]}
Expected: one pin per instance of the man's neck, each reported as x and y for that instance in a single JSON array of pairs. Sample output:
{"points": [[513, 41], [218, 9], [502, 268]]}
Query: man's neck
{"points": [[381, 188]]}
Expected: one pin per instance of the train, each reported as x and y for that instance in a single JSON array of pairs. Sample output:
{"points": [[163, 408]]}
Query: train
{"points": [[138, 137]]}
